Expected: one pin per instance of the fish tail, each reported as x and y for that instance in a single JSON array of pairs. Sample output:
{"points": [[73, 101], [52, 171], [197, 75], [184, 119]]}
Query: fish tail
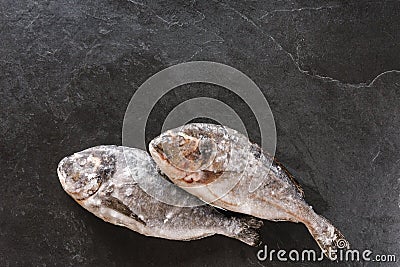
{"points": [[328, 237], [248, 230]]}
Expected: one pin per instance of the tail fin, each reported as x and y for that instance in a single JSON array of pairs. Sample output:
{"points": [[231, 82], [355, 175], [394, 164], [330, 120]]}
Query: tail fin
{"points": [[328, 238], [249, 228]]}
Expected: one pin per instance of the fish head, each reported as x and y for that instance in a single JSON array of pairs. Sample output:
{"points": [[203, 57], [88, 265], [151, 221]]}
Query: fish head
{"points": [[82, 173], [184, 155]]}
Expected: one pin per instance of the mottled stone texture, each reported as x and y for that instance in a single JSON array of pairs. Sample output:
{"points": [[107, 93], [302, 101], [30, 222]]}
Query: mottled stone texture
{"points": [[69, 68]]}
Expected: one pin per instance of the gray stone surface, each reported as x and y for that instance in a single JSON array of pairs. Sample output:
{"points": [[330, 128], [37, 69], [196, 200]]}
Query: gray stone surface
{"points": [[69, 68]]}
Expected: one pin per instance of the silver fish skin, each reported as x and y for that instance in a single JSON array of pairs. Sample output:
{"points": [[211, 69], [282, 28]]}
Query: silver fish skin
{"points": [[217, 164], [100, 180]]}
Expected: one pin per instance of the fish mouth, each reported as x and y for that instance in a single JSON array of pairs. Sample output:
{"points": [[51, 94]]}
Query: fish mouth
{"points": [[61, 174], [156, 149]]}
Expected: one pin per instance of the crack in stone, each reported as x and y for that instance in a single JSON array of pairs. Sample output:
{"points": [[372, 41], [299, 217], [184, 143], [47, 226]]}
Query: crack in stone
{"points": [[381, 74], [319, 8], [169, 23], [299, 10], [174, 21], [296, 62], [327, 78], [203, 45], [137, 3]]}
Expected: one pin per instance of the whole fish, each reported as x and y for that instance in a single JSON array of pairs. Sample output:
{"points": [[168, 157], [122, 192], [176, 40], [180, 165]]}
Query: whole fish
{"points": [[217, 164], [101, 181]]}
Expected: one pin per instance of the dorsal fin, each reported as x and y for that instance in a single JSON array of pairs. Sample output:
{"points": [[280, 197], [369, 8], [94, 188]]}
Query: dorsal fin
{"points": [[291, 177], [258, 153]]}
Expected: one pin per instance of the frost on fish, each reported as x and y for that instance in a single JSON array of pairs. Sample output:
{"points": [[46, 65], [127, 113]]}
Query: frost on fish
{"points": [[102, 181], [218, 164]]}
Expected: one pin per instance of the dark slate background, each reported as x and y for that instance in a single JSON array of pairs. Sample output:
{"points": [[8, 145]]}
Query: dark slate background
{"points": [[68, 69]]}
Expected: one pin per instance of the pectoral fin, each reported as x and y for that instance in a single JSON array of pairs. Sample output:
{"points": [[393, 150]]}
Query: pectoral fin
{"points": [[117, 205]]}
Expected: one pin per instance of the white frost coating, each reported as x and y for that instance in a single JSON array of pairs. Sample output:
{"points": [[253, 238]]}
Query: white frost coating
{"points": [[169, 215], [129, 192], [115, 214], [92, 201], [94, 160], [91, 175]]}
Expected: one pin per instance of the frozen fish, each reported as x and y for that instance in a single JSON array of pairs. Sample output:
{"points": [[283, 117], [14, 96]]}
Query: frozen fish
{"points": [[217, 164], [102, 182]]}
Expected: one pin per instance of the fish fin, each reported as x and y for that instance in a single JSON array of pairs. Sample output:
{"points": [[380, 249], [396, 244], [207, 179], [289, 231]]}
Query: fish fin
{"points": [[328, 237], [258, 153], [250, 228], [117, 205], [252, 222], [197, 237], [291, 177]]}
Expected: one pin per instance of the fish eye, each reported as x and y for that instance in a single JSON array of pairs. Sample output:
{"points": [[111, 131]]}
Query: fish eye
{"points": [[208, 151], [207, 146], [181, 141]]}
